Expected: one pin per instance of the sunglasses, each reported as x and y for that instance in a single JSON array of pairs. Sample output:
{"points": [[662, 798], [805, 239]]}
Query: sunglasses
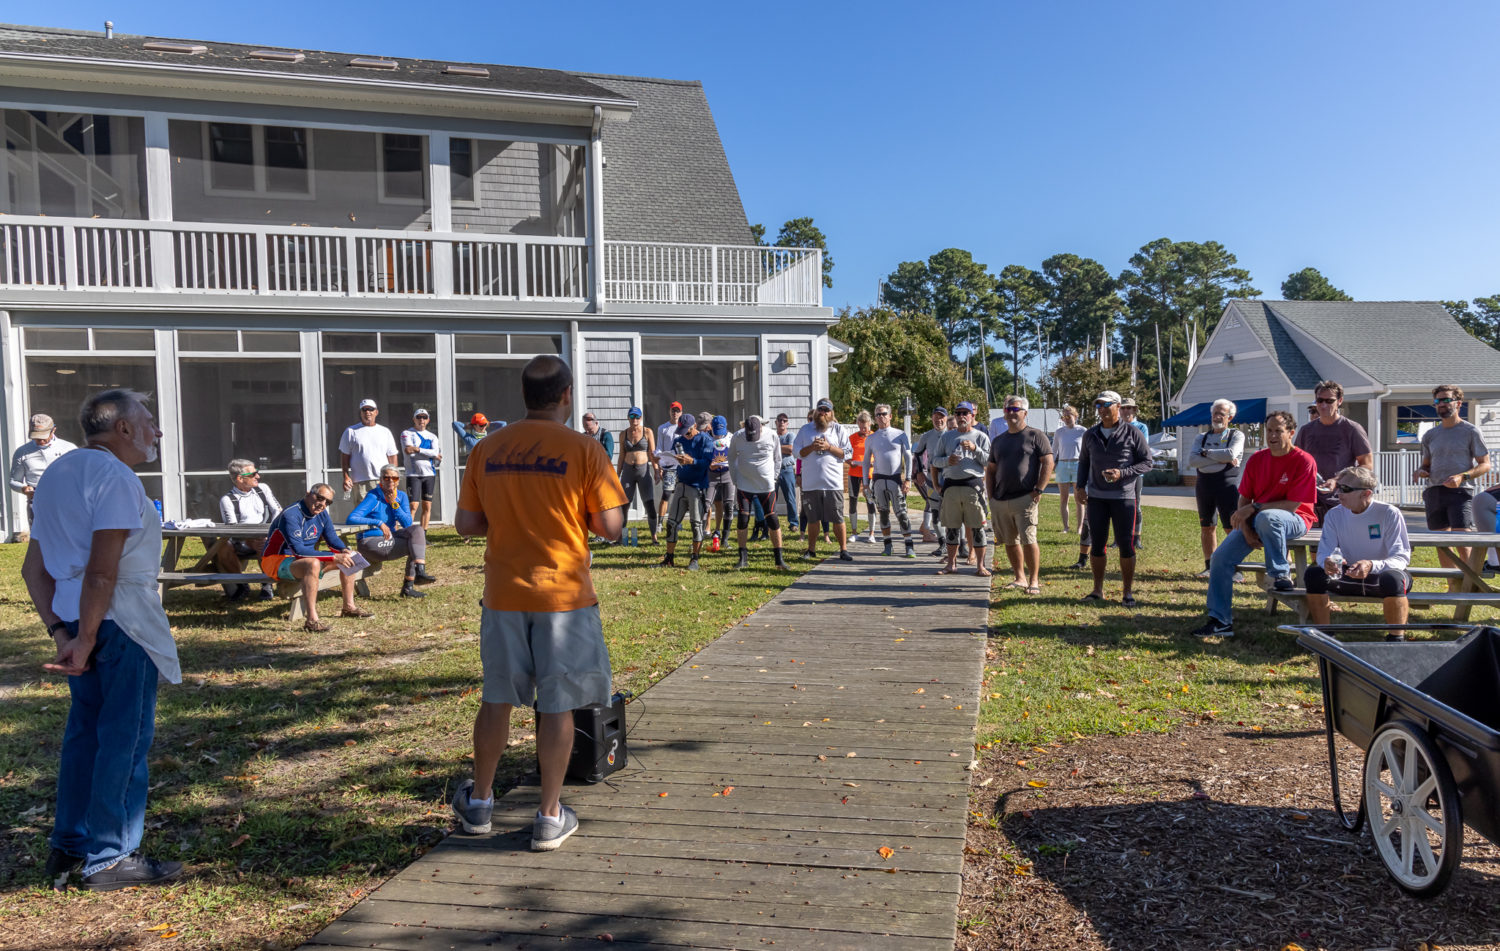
{"points": [[1100, 404], [252, 474], [320, 500], [390, 478], [1323, 400], [1444, 399], [1015, 409], [964, 412], [1348, 489], [882, 414]]}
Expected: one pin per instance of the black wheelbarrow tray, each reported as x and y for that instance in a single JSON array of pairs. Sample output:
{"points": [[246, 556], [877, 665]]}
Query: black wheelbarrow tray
{"points": [[1427, 715]]}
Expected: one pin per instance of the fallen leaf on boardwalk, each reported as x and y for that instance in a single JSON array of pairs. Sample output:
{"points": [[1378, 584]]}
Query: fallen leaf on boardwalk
{"points": [[728, 790], [920, 690], [822, 758], [807, 723], [886, 851], [240, 841], [1037, 783], [891, 870], [852, 785], [849, 754], [661, 795]]}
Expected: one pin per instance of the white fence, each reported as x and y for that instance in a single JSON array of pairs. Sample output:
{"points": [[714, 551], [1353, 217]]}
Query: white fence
{"points": [[1399, 486], [88, 254], [646, 273]]}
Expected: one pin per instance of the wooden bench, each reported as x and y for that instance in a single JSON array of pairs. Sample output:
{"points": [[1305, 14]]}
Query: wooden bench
{"points": [[201, 579], [1296, 599]]}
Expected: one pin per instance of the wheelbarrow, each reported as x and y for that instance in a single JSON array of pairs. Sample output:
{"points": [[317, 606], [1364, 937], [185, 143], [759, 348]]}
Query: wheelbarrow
{"points": [[1427, 715]]}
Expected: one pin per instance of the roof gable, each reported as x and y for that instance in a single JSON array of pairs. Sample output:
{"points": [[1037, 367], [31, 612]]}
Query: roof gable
{"points": [[1277, 342], [1394, 342]]}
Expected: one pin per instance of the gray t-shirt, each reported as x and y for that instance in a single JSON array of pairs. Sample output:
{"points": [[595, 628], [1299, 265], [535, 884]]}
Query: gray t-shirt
{"points": [[927, 448], [1451, 450], [1018, 461], [1333, 446], [971, 462]]}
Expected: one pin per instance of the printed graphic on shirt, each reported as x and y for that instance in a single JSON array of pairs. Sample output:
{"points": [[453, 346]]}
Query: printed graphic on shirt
{"points": [[1374, 531], [529, 460]]}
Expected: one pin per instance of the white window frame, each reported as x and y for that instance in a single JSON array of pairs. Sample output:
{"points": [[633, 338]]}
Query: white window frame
{"points": [[258, 168], [425, 164]]}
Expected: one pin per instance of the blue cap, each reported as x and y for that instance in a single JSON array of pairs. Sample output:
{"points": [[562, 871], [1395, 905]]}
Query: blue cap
{"points": [[965, 404], [721, 426], [938, 409], [634, 411]]}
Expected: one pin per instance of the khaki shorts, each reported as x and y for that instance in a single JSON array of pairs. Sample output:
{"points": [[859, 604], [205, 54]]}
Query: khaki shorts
{"points": [[1015, 520], [824, 505], [963, 507], [554, 661]]}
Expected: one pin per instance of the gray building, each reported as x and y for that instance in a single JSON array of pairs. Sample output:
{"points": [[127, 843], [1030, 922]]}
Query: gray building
{"points": [[262, 237]]}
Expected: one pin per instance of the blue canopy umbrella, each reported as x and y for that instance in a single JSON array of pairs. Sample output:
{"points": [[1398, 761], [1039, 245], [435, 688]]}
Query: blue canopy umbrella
{"points": [[1246, 411]]}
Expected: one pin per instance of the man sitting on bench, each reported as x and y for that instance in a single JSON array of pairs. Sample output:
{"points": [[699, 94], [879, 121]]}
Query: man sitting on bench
{"points": [[291, 554], [1364, 550]]}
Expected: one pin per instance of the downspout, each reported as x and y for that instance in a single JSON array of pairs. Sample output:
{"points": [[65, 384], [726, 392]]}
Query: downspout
{"points": [[596, 207], [1377, 419]]}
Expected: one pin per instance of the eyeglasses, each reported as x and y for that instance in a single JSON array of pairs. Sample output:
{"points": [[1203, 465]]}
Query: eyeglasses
{"points": [[318, 501], [1100, 404], [1015, 409], [1348, 489], [394, 478], [878, 413], [1444, 399], [964, 412], [1323, 399], [252, 474]]}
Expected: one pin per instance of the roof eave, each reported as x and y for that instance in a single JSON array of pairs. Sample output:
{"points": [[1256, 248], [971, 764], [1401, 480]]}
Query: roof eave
{"points": [[356, 91]]}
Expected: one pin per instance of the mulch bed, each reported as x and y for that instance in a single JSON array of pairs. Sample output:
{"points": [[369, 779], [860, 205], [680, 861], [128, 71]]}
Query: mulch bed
{"points": [[1213, 836]]}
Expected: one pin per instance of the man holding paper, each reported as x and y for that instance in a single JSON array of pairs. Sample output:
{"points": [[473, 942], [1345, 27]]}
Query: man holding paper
{"points": [[291, 554]]}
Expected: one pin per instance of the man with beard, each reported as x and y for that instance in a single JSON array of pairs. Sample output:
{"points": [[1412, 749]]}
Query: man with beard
{"points": [[1334, 441], [786, 476], [823, 447], [1453, 456], [754, 460]]}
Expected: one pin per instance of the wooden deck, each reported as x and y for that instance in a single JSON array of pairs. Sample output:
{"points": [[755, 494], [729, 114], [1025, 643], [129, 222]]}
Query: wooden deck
{"points": [[841, 713]]}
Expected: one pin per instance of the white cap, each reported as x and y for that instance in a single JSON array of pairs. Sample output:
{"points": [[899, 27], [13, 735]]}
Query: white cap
{"points": [[421, 412], [367, 404]]}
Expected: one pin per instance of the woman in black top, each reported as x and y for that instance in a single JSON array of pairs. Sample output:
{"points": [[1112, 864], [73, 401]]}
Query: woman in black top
{"points": [[637, 449]]}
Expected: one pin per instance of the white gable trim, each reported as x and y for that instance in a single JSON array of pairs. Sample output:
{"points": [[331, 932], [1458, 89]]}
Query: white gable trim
{"points": [[1230, 312]]}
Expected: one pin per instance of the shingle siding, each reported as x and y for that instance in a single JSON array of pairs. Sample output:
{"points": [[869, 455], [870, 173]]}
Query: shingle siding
{"points": [[609, 367], [790, 386]]}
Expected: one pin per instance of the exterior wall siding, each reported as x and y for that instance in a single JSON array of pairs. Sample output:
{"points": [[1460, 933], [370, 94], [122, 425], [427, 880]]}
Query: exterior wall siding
{"points": [[609, 372], [1244, 379], [790, 389]]}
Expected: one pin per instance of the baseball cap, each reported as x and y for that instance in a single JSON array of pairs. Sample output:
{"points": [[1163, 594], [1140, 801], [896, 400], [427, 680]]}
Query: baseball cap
{"points": [[367, 404], [41, 426], [1108, 396], [939, 411], [635, 411], [674, 405], [825, 404], [421, 412], [965, 405], [1128, 401], [781, 416], [478, 419]]}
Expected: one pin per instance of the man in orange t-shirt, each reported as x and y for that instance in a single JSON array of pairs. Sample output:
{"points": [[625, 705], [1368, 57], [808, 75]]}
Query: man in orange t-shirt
{"points": [[535, 490]]}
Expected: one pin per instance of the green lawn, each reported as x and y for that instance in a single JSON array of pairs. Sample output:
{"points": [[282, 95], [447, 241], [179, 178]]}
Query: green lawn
{"points": [[293, 771], [1058, 668]]}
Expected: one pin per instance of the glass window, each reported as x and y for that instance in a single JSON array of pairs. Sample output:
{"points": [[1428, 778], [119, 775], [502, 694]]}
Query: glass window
{"points": [[491, 387], [402, 170], [286, 160], [669, 346], [407, 343], [351, 343], [124, 340], [397, 387], [730, 346], [49, 338], [731, 389], [241, 409], [535, 343], [270, 341], [72, 165], [231, 153], [203, 491], [461, 169], [57, 386], [480, 343], [219, 341]]}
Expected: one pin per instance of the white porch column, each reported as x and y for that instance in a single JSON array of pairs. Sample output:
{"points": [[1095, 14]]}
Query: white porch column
{"points": [[15, 416], [1376, 411], [314, 412], [594, 208], [169, 417], [441, 187], [445, 411], [159, 198]]}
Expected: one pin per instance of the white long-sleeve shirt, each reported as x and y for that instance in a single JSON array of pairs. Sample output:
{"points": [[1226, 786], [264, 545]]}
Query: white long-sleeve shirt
{"points": [[1377, 535], [30, 460], [887, 452], [1214, 452]]}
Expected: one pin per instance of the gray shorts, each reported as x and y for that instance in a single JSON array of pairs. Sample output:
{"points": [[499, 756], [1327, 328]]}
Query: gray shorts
{"points": [[824, 505], [553, 661], [888, 495]]}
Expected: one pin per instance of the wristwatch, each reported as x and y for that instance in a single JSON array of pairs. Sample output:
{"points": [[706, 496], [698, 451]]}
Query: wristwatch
{"points": [[52, 628], [1256, 506]]}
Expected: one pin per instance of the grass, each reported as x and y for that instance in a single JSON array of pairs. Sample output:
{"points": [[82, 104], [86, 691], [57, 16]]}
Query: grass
{"points": [[292, 772], [1060, 669]]}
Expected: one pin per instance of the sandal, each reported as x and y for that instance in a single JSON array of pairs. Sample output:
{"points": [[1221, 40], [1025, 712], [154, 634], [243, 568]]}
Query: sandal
{"points": [[1129, 601], [1092, 596], [982, 572], [1034, 590], [316, 627], [945, 570], [1016, 584]]}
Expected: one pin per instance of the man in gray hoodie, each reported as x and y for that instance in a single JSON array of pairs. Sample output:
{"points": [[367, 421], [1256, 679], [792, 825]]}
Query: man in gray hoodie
{"points": [[1113, 454]]}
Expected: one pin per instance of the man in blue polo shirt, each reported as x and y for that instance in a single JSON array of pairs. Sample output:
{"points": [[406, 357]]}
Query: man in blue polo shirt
{"points": [[291, 554]]}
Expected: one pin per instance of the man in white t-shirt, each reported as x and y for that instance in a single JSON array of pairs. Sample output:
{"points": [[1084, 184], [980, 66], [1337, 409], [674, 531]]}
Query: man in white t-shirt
{"points": [[364, 448], [823, 446], [91, 573]]}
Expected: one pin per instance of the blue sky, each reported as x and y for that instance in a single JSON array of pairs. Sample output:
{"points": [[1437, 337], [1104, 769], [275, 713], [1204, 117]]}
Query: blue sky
{"points": [[1359, 138]]}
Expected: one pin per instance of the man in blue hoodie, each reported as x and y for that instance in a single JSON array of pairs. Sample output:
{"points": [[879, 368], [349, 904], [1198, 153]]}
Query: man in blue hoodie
{"points": [[721, 494], [291, 554], [693, 451]]}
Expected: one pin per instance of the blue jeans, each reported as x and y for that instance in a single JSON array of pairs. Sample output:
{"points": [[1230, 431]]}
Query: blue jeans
{"points": [[101, 778], [786, 487], [1275, 528]]}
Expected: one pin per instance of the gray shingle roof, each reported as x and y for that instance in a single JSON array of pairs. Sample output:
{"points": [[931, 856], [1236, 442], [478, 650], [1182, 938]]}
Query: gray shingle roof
{"points": [[666, 177], [1396, 342], [1278, 343], [85, 44]]}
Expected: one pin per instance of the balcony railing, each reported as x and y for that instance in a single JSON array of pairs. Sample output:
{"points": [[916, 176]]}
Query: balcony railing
{"points": [[648, 273], [89, 255]]}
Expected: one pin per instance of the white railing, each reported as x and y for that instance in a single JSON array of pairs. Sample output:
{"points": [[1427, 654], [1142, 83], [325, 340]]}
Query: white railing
{"points": [[651, 273], [68, 254], [1398, 484]]}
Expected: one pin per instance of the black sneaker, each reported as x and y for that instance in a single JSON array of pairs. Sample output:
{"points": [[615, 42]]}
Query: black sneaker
{"points": [[60, 865], [744, 559], [409, 590], [133, 869], [267, 592], [1283, 584], [781, 563], [844, 555], [668, 561], [237, 593], [810, 556], [1213, 627], [1080, 564]]}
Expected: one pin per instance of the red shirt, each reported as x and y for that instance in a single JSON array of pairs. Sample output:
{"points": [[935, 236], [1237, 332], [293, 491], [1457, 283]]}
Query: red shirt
{"points": [[1271, 478]]}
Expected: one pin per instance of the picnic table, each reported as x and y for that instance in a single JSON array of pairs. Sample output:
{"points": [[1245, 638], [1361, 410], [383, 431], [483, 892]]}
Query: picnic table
{"points": [[203, 574], [1472, 588]]}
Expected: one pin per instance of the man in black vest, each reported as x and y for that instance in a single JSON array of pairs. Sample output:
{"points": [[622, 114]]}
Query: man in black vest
{"points": [[247, 503]]}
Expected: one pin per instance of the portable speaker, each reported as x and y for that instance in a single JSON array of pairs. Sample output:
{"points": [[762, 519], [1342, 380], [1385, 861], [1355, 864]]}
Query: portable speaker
{"points": [[598, 740]]}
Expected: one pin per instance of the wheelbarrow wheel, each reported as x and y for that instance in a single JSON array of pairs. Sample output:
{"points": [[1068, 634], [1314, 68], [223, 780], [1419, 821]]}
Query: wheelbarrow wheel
{"points": [[1412, 806]]}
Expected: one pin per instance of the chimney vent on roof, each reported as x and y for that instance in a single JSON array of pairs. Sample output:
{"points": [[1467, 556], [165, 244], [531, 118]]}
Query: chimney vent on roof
{"points": [[369, 63], [109, 29], [277, 56], [169, 46], [478, 71]]}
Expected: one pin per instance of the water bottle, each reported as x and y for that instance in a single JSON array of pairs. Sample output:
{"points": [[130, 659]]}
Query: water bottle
{"points": [[1337, 560], [161, 519]]}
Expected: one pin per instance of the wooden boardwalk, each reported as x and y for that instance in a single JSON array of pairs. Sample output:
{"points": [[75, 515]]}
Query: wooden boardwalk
{"points": [[841, 714]]}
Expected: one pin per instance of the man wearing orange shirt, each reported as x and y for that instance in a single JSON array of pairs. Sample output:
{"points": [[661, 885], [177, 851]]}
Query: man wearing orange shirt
{"points": [[535, 490]]}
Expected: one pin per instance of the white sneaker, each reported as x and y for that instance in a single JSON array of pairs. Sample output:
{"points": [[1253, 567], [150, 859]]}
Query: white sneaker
{"points": [[1239, 577], [1203, 575]]}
